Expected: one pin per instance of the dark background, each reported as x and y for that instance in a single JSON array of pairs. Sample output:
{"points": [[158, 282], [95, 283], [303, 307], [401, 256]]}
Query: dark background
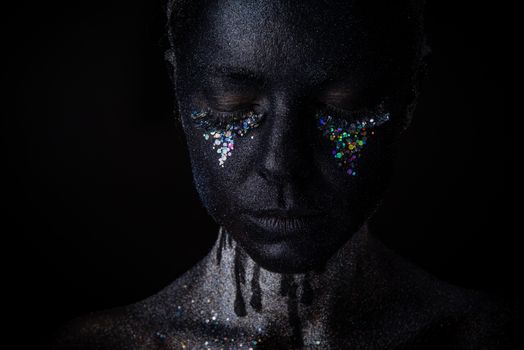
{"points": [[98, 202]]}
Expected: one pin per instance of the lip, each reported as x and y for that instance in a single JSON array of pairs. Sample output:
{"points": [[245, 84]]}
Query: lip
{"points": [[283, 224]]}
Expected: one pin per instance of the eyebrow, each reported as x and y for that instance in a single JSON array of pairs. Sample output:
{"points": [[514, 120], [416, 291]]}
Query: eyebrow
{"points": [[236, 73], [244, 75]]}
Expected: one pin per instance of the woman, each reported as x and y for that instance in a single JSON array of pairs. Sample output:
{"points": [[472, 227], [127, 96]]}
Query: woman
{"points": [[290, 111]]}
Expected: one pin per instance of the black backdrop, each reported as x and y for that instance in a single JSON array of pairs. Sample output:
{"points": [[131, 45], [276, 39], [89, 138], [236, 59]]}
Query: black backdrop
{"points": [[98, 203]]}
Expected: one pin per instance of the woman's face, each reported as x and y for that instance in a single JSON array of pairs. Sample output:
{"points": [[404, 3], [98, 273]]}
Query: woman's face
{"points": [[289, 113]]}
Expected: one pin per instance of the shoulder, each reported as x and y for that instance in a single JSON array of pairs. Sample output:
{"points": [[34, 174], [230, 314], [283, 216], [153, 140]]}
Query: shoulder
{"points": [[489, 323], [437, 313], [484, 323], [120, 328], [99, 330], [142, 325]]}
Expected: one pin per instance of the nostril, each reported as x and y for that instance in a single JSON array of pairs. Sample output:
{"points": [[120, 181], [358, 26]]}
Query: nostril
{"points": [[264, 174], [286, 144], [272, 174], [284, 159]]}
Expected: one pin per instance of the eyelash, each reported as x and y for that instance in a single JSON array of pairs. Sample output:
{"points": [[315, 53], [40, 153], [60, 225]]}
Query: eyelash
{"points": [[220, 119], [229, 116], [358, 115], [238, 122]]}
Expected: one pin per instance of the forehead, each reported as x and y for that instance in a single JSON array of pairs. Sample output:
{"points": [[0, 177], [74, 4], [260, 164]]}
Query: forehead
{"points": [[281, 41]]}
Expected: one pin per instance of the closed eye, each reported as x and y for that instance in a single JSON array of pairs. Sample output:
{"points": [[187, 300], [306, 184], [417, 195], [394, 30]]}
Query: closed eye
{"points": [[213, 120], [361, 114], [231, 115]]}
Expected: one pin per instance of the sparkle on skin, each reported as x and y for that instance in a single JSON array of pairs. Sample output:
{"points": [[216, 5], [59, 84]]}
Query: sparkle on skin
{"points": [[224, 134], [348, 138]]}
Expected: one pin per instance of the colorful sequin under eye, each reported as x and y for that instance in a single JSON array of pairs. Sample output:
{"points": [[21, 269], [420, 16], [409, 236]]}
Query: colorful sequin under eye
{"points": [[348, 137], [223, 133]]}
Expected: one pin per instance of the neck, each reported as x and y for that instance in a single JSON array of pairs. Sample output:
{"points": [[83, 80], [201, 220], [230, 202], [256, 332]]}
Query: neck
{"points": [[301, 302]]}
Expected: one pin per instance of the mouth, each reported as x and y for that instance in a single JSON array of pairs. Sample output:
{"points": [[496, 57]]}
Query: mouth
{"points": [[280, 225]]}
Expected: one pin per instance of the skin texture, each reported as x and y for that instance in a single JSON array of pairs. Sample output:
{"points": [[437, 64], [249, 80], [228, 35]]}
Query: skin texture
{"points": [[328, 284], [291, 64], [367, 297]]}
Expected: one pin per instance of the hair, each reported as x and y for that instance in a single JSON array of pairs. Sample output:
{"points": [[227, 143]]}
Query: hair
{"points": [[392, 21]]}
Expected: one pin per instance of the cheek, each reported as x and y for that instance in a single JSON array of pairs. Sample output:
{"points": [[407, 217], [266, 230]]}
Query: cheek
{"points": [[348, 141], [356, 164], [223, 136], [218, 159]]}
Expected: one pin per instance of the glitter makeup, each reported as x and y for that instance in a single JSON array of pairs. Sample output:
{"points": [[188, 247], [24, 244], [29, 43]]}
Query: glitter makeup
{"points": [[224, 131], [213, 325], [349, 136]]}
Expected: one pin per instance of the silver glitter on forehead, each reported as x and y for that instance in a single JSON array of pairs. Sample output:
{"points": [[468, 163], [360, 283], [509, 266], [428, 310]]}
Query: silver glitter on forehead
{"points": [[223, 133]]}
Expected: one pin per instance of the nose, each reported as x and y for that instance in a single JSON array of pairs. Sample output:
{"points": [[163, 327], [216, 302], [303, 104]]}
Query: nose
{"points": [[285, 159]]}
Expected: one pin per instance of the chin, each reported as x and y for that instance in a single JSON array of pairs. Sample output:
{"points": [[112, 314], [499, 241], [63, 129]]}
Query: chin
{"points": [[294, 248], [288, 255]]}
